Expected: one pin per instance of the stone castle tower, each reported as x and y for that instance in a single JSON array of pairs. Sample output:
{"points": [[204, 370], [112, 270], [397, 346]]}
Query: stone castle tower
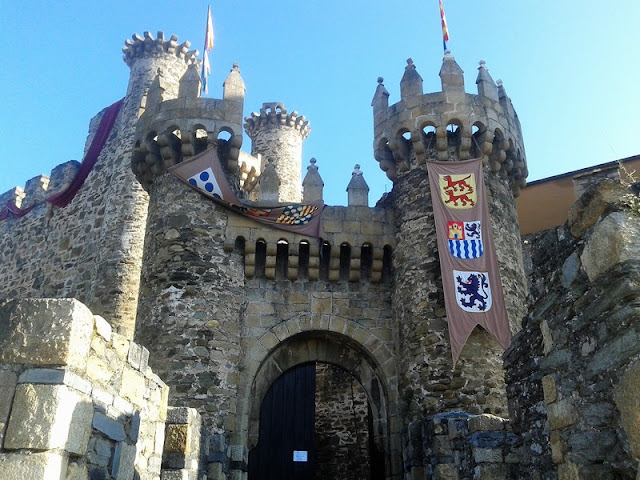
{"points": [[232, 350]]}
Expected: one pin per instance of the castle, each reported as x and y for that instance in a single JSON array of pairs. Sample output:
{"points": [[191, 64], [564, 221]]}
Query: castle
{"points": [[148, 332]]}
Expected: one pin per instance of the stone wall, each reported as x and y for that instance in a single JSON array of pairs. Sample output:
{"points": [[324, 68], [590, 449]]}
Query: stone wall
{"points": [[579, 388], [78, 400], [459, 446], [92, 249], [342, 425]]}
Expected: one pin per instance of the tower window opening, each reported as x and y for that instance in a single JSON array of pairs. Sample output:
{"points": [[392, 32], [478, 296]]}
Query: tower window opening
{"points": [[282, 259], [325, 260], [261, 258], [366, 260], [387, 269], [200, 140], [345, 261], [303, 259]]}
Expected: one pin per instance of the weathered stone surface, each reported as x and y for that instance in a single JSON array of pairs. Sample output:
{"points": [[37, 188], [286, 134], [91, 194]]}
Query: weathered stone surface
{"points": [[486, 423], [45, 332], [591, 206], [177, 438], [627, 398], [23, 466], [619, 236], [8, 382], [49, 416]]}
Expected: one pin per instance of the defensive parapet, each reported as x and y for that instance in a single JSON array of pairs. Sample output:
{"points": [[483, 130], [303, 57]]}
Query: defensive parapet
{"points": [[277, 136], [174, 129], [448, 125]]}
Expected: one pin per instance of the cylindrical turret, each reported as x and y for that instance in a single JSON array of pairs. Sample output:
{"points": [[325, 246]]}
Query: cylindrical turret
{"points": [[450, 125], [190, 301], [278, 136], [114, 291]]}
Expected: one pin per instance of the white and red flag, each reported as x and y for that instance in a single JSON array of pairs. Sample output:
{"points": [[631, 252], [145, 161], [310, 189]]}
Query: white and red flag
{"points": [[470, 276], [208, 45]]}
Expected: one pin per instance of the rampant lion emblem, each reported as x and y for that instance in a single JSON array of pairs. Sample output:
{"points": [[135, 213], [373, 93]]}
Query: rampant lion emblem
{"points": [[458, 191], [473, 292]]}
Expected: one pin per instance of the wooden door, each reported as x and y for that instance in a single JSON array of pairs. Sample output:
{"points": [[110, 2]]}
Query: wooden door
{"points": [[287, 422]]}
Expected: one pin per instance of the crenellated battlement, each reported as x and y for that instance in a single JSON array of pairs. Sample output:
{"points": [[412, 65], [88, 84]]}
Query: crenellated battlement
{"points": [[448, 125], [147, 46], [172, 130], [40, 187], [356, 247]]}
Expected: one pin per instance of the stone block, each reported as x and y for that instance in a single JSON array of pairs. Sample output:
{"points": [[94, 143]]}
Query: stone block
{"points": [[486, 423], [45, 417], [561, 414], [321, 303], [110, 427], [487, 455], [176, 438], [123, 461], [77, 471], [628, 402], [549, 389], [181, 474], [490, 472], [133, 386], [445, 471], [618, 235], [45, 465], [103, 328], [8, 382], [588, 209], [43, 331], [99, 370]]}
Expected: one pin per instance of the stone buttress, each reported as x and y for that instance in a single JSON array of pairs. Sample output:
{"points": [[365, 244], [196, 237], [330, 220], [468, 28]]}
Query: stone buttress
{"points": [[450, 125]]}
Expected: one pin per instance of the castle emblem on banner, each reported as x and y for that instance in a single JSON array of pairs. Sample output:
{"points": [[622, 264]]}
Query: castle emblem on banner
{"points": [[465, 239], [473, 291], [458, 191]]}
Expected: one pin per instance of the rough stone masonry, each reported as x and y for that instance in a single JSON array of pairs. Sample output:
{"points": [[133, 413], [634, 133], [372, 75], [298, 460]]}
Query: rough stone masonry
{"points": [[143, 325]]}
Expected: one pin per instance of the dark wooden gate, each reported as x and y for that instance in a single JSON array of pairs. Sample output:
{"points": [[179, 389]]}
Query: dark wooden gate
{"points": [[287, 422]]}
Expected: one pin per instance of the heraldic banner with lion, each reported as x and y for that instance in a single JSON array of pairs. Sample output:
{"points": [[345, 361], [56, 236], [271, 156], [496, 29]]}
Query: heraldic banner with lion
{"points": [[470, 276]]}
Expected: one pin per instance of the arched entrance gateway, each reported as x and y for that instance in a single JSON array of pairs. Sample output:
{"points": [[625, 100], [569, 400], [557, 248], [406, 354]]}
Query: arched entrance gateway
{"points": [[319, 409]]}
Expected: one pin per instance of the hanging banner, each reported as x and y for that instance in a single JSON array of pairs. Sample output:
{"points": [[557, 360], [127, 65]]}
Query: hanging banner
{"points": [[470, 275], [204, 173]]}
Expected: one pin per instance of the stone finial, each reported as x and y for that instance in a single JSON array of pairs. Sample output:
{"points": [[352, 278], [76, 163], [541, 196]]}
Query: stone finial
{"points": [[312, 184], [269, 183], [190, 83], [155, 94], [358, 190], [486, 85], [234, 87], [451, 75], [146, 46], [411, 83], [505, 101]]}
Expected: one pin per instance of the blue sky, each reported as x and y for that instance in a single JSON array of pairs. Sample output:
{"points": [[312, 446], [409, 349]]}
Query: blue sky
{"points": [[571, 68]]}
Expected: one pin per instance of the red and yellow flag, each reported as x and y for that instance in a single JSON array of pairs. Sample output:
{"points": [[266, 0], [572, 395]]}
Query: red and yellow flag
{"points": [[445, 29]]}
